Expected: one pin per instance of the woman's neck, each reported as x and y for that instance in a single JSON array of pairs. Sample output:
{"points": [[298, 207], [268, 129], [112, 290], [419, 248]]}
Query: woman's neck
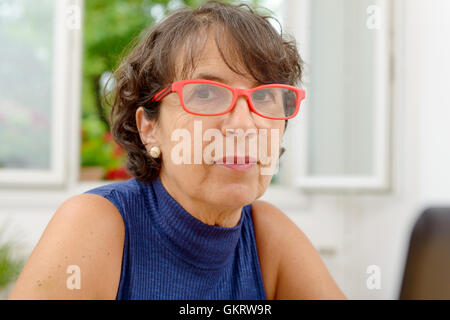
{"points": [[207, 213]]}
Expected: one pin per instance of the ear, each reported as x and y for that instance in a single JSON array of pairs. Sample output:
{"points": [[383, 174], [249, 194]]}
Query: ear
{"points": [[148, 129]]}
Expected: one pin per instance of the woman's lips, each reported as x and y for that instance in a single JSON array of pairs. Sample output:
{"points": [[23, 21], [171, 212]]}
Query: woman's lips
{"points": [[238, 163]]}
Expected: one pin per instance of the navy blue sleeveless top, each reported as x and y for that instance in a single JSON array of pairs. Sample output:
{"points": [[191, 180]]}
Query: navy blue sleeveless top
{"points": [[170, 254]]}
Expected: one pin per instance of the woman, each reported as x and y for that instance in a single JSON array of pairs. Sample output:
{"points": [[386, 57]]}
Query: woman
{"points": [[189, 229]]}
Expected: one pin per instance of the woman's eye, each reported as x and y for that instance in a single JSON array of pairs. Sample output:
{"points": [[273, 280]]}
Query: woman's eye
{"points": [[262, 96], [203, 93]]}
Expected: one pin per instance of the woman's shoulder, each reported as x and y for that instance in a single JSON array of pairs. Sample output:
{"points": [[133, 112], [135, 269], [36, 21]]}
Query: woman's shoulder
{"points": [[130, 186], [273, 230], [268, 218], [265, 217], [84, 238], [293, 267], [121, 194]]}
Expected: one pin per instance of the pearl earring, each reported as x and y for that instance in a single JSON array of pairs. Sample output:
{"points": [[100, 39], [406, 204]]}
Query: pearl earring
{"points": [[155, 152]]}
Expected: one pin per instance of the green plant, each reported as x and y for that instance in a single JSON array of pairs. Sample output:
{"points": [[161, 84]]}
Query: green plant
{"points": [[109, 27], [11, 264], [9, 267]]}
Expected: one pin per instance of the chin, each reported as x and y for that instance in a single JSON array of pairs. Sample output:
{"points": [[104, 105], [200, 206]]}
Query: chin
{"points": [[236, 194]]}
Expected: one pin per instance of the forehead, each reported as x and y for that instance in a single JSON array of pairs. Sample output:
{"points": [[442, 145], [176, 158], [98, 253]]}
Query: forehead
{"points": [[201, 55]]}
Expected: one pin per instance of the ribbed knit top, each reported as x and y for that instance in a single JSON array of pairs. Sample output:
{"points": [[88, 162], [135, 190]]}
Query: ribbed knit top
{"points": [[170, 254]]}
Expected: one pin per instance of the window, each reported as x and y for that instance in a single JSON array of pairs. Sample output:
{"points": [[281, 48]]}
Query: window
{"points": [[340, 138], [32, 92]]}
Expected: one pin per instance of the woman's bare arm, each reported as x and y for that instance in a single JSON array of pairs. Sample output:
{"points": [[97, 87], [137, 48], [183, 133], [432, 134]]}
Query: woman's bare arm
{"points": [[299, 272], [85, 238]]}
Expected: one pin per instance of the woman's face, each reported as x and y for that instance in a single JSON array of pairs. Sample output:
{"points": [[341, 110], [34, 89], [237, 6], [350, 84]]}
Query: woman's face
{"points": [[211, 183]]}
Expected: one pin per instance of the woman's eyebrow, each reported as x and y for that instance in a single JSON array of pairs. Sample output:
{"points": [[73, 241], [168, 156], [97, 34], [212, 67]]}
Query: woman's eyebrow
{"points": [[212, 77], [209, 76]]}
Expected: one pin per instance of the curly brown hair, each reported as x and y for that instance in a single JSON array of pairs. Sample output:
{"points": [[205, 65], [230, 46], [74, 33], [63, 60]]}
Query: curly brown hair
{"points": [[243, 36]]}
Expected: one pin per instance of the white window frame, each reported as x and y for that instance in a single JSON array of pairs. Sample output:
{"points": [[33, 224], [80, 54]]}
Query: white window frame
{"points": [[297, 21], [65, 100]]}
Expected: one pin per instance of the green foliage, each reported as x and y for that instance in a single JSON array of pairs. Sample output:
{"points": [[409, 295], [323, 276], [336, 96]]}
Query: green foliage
{"points": [[95, 150], [109, 29], [9, 268], [10, 264]]}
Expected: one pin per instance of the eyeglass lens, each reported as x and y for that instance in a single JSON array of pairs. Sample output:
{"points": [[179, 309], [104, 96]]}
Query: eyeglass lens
{"points": [[204, 98]]}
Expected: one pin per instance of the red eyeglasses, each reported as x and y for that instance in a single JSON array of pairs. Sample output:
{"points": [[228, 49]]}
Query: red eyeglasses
{"points": [[211, 98]]}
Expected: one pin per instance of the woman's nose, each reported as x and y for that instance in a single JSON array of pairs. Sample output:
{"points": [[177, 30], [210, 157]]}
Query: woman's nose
{"points": [[241, 117]]}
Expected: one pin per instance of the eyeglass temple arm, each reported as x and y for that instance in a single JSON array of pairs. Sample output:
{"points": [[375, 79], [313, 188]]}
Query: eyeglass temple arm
{"points": [[161, 94]]}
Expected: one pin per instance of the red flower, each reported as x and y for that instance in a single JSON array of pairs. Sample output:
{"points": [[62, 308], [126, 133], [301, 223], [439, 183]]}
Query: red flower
{"points": [[120, 173], [118, 151], [83, 133], [107, 136]]}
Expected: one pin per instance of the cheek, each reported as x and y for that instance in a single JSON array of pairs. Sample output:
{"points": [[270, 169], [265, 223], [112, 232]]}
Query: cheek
{"points": [[181, 131], [172, 121], [280, 131], [264, 185], [271, 136]]}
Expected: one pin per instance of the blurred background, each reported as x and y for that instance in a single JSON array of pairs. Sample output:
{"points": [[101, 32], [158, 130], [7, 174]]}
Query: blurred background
{"points": [[367, 154]]}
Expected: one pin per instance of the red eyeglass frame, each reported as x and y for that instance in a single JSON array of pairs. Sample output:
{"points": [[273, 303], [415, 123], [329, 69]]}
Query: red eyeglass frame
{"points": [[178, 88]]}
